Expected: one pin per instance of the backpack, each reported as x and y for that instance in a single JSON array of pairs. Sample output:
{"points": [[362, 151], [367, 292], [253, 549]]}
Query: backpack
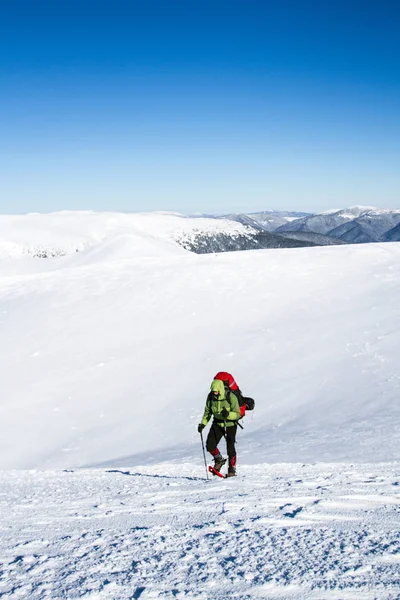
{"points": [[230, 384]]}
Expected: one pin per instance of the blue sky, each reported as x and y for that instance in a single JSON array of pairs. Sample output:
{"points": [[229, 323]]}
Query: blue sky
{"points": [[193, 106]]}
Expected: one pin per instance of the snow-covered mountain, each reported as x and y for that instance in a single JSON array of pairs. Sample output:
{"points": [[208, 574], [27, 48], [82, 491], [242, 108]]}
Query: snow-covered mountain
{"points": [[369, 227], [81, 335], [149, 234], [357, 224], [65, 233], [318, 239], [138, 234], [325, 221], [393, 235], [268, 220], [106, 357]]}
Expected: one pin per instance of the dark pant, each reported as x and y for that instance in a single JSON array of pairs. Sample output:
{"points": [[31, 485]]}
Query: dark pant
{"points": [[214, 436]]}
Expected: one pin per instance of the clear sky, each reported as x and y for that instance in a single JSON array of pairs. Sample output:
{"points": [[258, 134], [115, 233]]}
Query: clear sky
{"points": [[199, 105]]}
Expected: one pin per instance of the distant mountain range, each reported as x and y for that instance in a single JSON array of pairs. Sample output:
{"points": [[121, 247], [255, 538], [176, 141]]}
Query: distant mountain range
{"points": [[250, 239], [260, 230], [268, 220], [354, 225], [283, 229], [147, 234]]}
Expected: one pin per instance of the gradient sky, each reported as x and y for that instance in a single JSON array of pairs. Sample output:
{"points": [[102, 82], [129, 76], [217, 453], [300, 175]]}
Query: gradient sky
{"points": [[199, 106]]}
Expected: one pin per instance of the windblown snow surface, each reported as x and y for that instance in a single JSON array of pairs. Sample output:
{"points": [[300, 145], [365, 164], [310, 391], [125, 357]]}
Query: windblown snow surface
{"points": [[106, 357]]}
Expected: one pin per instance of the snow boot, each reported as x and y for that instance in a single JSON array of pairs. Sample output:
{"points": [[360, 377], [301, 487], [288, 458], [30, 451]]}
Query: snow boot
{"points": [[232, 466], [219, 462]]}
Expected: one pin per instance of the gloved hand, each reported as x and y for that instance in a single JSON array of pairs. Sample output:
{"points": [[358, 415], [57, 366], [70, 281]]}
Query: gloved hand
{"points": [[200, 427], [224, 413]]}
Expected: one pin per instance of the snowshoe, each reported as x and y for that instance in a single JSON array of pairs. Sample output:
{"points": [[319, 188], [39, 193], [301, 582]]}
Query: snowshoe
{"points": [[214, 472]]}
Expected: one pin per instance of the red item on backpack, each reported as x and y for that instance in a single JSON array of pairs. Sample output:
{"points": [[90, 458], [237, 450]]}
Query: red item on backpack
{"points": [[227, 377], [245, 403]]}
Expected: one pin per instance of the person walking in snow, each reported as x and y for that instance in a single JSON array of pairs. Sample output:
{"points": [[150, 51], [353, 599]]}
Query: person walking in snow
{"points": [[223, 404]]}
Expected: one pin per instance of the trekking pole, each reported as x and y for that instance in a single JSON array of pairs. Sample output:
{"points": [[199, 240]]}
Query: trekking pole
{"points": [[204, 453]]}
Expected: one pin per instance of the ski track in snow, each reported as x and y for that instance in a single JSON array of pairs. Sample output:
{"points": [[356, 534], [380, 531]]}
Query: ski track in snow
{"points": [[295, 531]]}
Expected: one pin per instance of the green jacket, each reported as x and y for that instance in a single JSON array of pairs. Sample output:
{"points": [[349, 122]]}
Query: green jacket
{"points": [[214, 407]]}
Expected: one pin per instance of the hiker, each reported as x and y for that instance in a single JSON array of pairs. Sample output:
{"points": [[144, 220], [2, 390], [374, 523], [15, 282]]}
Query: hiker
{"points": [[223, 404]]}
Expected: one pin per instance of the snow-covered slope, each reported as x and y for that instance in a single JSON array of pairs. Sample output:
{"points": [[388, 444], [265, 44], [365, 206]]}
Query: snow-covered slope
{"points": [[324, 222], [309, 236], [131, 235], [108, 358], [369, 227], [268, 220], [127, 235], [393, 235], [357, 224]]}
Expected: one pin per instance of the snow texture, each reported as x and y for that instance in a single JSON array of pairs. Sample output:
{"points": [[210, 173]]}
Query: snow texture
{"points": [[280, 531]]}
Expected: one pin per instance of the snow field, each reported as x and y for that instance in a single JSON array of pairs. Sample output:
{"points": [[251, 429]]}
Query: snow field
{"points": [[311, 334], [279, 531]]}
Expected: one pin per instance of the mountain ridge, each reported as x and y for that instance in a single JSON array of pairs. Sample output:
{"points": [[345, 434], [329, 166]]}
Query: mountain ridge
{"points": [[62, 234], [351, 225]]}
